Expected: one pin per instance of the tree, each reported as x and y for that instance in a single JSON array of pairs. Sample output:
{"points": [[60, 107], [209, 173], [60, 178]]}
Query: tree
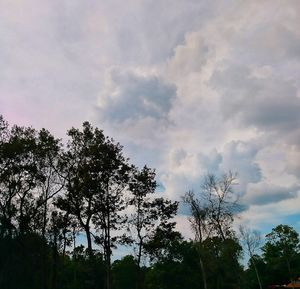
{"points": [[150, 215], [282, 248], [179, 269], [48, 156], [78, 171], [124, 272], [249, 280], [212, 213], [24, 162], [199, 223], [96, 176], [222, 262], [110, 204], [252, 241], [221, 202]]}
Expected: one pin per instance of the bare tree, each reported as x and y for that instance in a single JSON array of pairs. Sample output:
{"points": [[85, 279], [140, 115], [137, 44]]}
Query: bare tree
{"points": [[252, 241], [221, 203], [212, 212], [198, 220]]}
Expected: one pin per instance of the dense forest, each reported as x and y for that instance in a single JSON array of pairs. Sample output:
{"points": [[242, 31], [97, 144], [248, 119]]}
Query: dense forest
{"points": [[53, 191]]}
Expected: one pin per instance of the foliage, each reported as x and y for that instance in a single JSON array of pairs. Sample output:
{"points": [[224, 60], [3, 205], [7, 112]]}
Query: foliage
{"points": [[281, 253], [50, 192]]}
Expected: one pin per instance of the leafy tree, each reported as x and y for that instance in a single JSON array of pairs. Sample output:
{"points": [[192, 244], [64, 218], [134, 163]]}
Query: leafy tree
{"points": [[222, 262], [110, 204], [48, 156], [76, 168], [24, 162], [249, 280], [282, 251], [124, 273], [180, 269], [21, 265], [96, 176], [164, 244], [151, 215]]}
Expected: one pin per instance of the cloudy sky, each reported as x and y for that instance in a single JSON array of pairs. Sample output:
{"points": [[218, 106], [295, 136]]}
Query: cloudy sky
{"points": [[187, 86]]}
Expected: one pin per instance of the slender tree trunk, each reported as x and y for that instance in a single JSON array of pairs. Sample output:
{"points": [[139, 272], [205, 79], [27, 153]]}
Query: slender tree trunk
{"points": [[108, 255], [256, 272], [108, 273], [89, 240], [64, 246], [75, 261], [290, 273], [44, 264], [202, 268], [55, 263], [108, 263], [44, 255], [74, 240], [139, 275], [139, 254]]}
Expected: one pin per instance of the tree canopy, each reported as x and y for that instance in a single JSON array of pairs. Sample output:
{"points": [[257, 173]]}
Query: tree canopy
{"points": [[66, 208]]}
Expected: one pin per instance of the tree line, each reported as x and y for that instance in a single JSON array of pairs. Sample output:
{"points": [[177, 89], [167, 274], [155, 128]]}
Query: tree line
{"points": [[51, 192]]}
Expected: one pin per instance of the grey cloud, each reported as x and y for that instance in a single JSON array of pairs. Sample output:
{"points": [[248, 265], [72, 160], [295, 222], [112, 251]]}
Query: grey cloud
{"points": [[268, 104], [143, 40], [262, 194], [239, 157], [178, 157], [133, 96], [268, 44], [211, 162]]}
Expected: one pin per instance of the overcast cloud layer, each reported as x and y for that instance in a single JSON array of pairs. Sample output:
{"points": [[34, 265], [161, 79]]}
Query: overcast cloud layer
{"points": [[188, 87]]}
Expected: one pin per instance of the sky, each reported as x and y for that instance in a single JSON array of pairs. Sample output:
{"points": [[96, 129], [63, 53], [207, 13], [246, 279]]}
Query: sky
{"points": [[188, 87]]}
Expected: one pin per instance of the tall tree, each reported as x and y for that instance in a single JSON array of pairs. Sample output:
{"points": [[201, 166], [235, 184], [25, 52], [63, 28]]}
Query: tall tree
{"points": [[49, 151], [80, 173], [111, 187], [282, 247], [96, 176], [252, 241], [199, 224], [221, 203], [150, 216], [222, 262], [22, 177], [212, 211], [25, 155]]}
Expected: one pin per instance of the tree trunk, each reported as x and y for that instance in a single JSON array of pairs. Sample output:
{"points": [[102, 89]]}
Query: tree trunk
{"points": [[89, 241], [290, 273], [256, 272], [108, 275], [44, 248], [202, 268], [108, 255], [139, 277], [55, 263]]}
